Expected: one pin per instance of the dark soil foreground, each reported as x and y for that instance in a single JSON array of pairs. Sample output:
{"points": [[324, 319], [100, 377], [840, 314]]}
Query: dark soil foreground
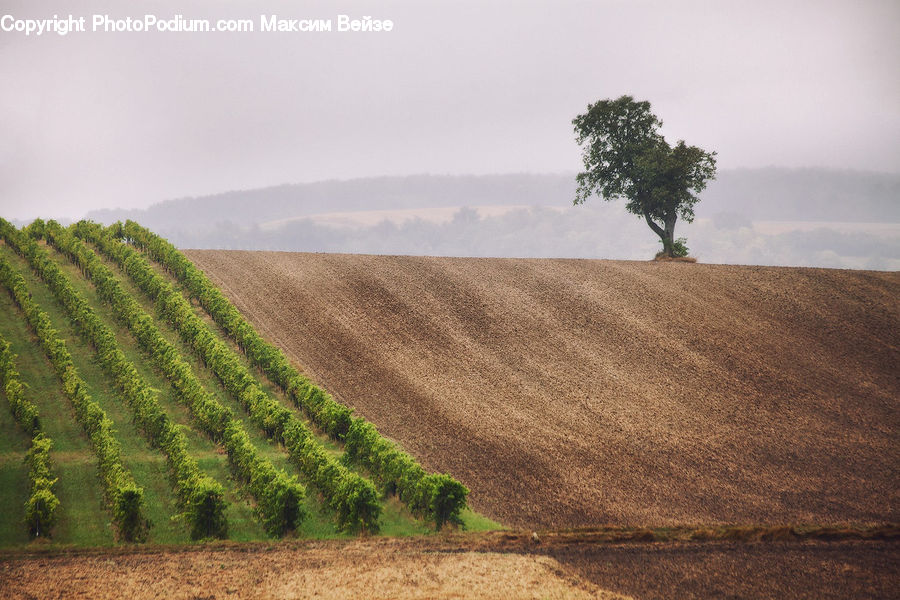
{"points": [[814, 570], [480, 566]]}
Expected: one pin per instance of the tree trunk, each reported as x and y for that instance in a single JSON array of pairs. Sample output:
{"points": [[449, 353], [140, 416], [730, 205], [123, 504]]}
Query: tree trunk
{"points": [[669, 239], [666, 233]]}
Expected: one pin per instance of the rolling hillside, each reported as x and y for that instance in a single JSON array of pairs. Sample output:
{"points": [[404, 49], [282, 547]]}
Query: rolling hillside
{"points": [[133, 418], [145, 411], [570, 393]]}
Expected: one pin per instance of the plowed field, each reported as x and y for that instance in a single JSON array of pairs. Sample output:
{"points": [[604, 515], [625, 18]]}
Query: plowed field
{"points": [[381, 569], [576, 393], [470, 566]]}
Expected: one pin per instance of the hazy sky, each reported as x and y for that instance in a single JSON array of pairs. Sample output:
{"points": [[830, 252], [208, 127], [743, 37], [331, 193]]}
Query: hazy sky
{"points": [[92, 120]]}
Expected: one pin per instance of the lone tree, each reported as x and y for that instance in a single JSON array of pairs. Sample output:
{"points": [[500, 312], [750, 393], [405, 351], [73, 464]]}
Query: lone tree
{"points": [[626, 156]]}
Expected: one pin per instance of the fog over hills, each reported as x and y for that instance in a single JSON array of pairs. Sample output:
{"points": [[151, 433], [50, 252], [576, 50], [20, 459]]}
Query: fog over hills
{"points": [[774, 216]]}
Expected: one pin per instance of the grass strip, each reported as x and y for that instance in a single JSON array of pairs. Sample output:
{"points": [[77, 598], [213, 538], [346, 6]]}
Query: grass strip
{"points": [[40, 508], [125, 497], [279, 497], [438, 498], [353, 498], [200, 496]]}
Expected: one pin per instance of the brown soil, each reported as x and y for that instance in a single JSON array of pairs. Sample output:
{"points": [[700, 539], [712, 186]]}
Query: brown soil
{"points": [[389, 569], [663, 257], [496, 565], [811, 570], [583, 392]]}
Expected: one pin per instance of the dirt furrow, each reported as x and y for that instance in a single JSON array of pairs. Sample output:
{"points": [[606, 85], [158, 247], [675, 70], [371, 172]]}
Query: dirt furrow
{"points": [[584, 392]]}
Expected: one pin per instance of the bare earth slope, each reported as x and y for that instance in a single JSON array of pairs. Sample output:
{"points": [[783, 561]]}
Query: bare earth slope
{"points": [[382, 569], [583, 392], [470, 566]]}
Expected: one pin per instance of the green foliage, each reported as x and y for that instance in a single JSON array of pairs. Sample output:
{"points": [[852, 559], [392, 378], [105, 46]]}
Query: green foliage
{"points": [[448, 496], [24, 411], [395, 470], [205, 510], [156, 426], [627, 157], [436, 497], [128, 511], [279, 497], [40, 508], [279, 507], [354, 500], [676, 248], [617, 131], [122, 492]]}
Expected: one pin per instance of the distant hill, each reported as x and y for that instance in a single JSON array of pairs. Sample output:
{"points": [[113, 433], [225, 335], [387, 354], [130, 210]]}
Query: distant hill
{"points": [[377, 193], [804, 217], [771, 194], [804, 195]]}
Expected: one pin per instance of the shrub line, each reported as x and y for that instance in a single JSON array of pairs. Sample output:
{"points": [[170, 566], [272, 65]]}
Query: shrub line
{"points": [[353, 498], [201, 497], [125, 497], [40, 508], [279, 497], [436, 497]]}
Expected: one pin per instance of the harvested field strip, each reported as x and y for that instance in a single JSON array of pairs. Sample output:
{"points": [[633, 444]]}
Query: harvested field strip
{"points": [[125, 497], [360, 569], [354, 499], [500, 564], [437, 496], [807, 570], [590, 392], [279, 497], [515, 540], [512, 540]]}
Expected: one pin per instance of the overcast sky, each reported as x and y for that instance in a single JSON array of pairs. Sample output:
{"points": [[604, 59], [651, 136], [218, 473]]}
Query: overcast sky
{"points": [[93, 120]]}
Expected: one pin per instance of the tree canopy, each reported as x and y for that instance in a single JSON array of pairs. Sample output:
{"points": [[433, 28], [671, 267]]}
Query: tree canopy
{"points": [[625, 156]]}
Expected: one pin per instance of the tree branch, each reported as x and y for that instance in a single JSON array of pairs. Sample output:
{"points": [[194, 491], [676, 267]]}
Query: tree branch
{"points": [[656, 228]]}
